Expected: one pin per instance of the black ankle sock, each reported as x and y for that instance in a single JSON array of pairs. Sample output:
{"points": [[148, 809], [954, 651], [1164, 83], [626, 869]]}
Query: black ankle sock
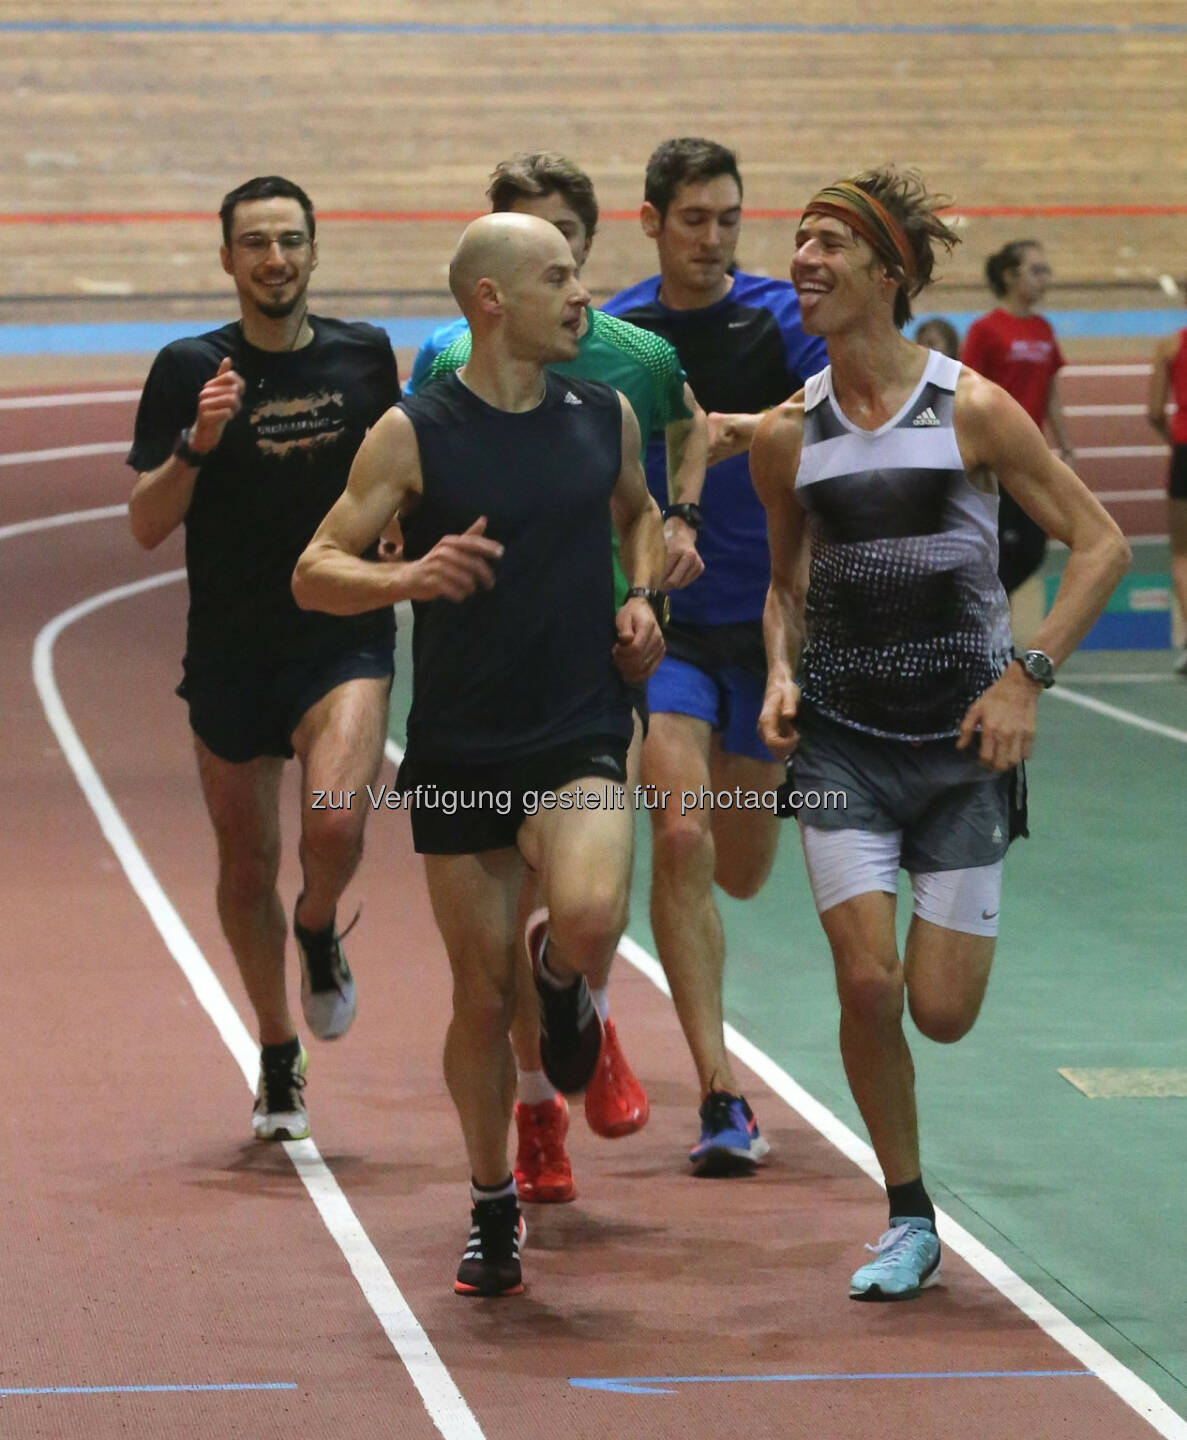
{"points": [[910, 1199], [492, 1192], [286, 1050]]}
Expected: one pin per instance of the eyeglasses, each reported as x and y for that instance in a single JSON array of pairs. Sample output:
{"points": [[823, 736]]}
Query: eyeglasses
{"points": [[291, 242]]}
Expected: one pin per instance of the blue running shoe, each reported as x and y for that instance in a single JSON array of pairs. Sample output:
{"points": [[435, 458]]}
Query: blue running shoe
{"points": [[908, 1262], [730, 1143]]}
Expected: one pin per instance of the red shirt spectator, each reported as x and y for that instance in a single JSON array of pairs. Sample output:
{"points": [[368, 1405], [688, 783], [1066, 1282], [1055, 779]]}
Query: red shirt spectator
{"points": [[1018, 352]]}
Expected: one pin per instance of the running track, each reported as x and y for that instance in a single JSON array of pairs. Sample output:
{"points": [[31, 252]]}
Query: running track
{"points": [[153, 1249]]}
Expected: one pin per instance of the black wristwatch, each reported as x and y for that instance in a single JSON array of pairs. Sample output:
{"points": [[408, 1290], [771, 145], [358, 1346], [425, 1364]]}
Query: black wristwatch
{"points": [[658, 600], [186, 453], [688, 512], [1039, 667]]}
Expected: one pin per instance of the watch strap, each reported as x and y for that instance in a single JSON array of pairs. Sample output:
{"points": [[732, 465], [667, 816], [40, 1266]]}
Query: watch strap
{"points": [[687, 511], [187, 454]]}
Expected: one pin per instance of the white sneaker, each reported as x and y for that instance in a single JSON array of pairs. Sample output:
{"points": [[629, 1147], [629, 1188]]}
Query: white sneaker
{"points": [[279, 1112], [327, 986]]}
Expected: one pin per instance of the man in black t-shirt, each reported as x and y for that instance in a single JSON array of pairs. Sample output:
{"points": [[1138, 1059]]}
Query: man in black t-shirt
{"points": [[506, 478], [246, 436]]}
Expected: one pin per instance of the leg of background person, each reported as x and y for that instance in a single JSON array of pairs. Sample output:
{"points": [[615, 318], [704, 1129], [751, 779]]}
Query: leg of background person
{"points": [[473, 899], [340, 744], [1178, 534], [744, 841], [243, 802], [874, 1050], [684, 918]]}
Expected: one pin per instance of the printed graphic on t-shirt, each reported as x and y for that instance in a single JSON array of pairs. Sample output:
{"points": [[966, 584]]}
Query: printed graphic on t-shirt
{"points": [[302, 424], [1033, 352]]}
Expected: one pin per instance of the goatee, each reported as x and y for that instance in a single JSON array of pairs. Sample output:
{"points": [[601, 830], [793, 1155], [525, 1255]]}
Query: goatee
{"points": [[280, 309]]}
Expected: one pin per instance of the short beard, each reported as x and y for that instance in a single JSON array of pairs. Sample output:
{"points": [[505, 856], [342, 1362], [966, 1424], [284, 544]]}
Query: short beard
{"points": [[279, 310]]}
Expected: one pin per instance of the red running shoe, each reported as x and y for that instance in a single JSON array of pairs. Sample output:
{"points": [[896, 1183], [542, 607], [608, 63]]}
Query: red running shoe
{"points": [[615, 1103], [543, 1175]]}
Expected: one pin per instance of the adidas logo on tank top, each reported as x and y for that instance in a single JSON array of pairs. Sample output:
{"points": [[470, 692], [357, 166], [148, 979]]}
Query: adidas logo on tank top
{"points": [[907, 622]]}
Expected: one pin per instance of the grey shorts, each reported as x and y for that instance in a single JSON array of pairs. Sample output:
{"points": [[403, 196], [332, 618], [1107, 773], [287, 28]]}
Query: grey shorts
{"points": [[952, 814]]}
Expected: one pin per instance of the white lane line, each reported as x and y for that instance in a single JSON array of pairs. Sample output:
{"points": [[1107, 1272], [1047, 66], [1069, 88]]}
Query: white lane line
{"points": [[65, 452], [1088, 410], [1114, 497], [1125, 677], [69, 517], [1120, 452], [1115, 712], [1122, 1381], [44, 402], [444, 1402], [1105, 371]]}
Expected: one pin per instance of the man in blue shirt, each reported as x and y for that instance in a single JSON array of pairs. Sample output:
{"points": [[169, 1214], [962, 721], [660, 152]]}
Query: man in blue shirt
{"points": [[741, 344]]}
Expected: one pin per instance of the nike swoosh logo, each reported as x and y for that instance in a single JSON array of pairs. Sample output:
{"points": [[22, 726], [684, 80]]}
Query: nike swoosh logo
{"points": [[990, 914]]}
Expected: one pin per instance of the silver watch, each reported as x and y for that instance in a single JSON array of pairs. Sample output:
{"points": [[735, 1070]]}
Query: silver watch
{"points": [[1039, 666]]}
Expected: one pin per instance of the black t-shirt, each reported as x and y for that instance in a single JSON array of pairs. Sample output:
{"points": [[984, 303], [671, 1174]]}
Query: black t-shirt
{"points": [[281, 464], [527, 665]]}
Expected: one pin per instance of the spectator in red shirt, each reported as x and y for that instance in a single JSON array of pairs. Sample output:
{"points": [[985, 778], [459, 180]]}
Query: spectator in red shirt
{"points": [[1016, 348], [1169, 380]]}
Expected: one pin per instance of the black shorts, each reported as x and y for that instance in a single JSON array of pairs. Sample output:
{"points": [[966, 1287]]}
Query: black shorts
{"points": [[637, 694], [242, 709], [463, 809], [1176, 486]]}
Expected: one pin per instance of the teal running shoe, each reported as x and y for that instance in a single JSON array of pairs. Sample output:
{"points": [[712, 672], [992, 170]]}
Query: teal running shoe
{"points": [[908, 1262]]}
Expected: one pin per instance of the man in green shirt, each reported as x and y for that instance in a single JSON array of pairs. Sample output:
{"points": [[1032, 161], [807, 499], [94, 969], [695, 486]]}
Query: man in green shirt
{"points": [[645, 368]]}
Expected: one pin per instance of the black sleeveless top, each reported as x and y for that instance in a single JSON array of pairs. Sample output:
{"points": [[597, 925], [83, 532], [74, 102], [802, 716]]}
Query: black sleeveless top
{"points": [[527, 665]]}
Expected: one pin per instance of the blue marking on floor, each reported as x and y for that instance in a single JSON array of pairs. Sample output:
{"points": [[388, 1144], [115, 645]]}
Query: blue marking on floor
{"points": [[563, 27], [137, 337], [654, 1384], [142, 1389]]}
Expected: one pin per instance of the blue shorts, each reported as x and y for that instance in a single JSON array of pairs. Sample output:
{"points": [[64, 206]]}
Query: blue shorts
{"points": [[715, 673]]}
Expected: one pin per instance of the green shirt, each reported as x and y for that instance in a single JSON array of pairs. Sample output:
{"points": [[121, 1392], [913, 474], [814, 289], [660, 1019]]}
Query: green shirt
{"points": [[644, 366]]}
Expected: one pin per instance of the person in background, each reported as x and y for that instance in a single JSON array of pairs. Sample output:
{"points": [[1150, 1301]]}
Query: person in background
{"points": [[1168, 379], [1016, 348]]}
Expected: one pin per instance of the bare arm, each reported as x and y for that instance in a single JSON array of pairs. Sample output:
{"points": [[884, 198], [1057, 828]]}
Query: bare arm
{"points": [[642, 552], [1057, 423], [730, 435], [687, 451], [774, 460], [994, 431], [160, 498], [1159, 391], [331, 576]]}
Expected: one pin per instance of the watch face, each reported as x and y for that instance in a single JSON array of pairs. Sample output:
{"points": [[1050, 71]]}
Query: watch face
{"points": [[1039, 667]]}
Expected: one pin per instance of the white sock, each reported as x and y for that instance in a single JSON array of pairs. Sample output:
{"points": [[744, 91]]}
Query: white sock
{"points": [[534, 1088], [492, 1192], [601, 999]]}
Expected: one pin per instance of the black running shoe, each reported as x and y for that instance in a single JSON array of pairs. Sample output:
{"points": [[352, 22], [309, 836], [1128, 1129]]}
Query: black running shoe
{"points": [[279, 1112], [490, 1263], [570, 1027], [327, 986]]}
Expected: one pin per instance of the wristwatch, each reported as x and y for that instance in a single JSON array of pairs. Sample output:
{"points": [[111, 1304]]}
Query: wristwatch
{"points": [[657, 599], [688, 512], [1039, 667], [186, 453]]}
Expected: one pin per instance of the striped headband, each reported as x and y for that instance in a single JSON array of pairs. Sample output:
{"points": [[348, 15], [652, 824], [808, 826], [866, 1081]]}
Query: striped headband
{"points": [[870, 219]]}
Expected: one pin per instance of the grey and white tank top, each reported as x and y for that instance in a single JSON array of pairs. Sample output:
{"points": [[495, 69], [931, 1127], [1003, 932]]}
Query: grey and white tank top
{"points": [[907, 622]]}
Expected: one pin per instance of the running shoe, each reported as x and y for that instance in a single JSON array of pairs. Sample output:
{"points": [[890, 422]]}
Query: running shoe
{"points": [[1180, 666], [490, 1262], [543, 1175], [908, 1262], [570, 1027], [327, 986], [730, 1142], [279, 1112], [615, 1103]]}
